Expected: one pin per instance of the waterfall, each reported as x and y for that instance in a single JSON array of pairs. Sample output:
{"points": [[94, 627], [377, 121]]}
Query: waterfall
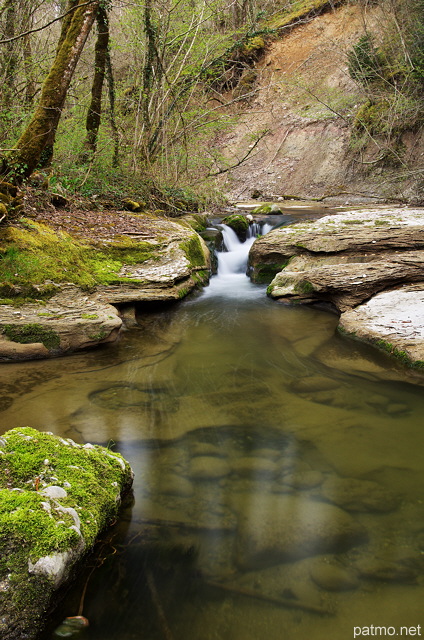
{"points": [[231, 279]]}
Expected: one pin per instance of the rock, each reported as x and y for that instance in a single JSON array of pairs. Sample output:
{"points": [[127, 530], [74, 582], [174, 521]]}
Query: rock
{"points": [[346, 280], [343, 260], [205, 449], [359, 495], [386, 570], [397, 408], [289, 527], [253, 466], [332, 577], [310, 384], [54, 492], [68, 322], [71, 319], [238, 223], [304, 479], [393, 321], [175, 485], [208, 468], [43, 545]]}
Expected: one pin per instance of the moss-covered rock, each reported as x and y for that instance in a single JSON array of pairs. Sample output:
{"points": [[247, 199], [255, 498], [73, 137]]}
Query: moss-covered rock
{"points": [[238, 223], [56, 497]]}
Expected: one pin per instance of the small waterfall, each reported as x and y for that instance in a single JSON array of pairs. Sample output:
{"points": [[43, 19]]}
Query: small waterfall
{"points": [[231, 279]]}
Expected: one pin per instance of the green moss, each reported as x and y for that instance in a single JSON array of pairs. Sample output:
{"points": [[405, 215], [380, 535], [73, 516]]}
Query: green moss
{"points": [[34, 253], [89, 316], [33, 526], [183, 292], [294, 11], [31, 457], [264, 273], [304, 286], [238, 223], [101, 335], [194, 251], [31, 333]]}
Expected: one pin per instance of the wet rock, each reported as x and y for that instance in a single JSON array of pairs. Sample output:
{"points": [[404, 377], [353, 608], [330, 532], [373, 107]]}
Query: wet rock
{"points": [[175, 485], [289, 527], [398, 408], [310, 384], [359, 495], [387, 571], [304, 479], [332, 577], [208, 468], [343, 260], [252, 466], [205, 449]]}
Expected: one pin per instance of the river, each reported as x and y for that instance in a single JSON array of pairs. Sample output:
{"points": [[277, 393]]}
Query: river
{"points": [[278, 471]]}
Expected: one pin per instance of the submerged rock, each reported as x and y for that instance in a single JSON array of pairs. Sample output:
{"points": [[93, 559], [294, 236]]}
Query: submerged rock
{"points": [[289, 527], [332, 577], [359, 495]]}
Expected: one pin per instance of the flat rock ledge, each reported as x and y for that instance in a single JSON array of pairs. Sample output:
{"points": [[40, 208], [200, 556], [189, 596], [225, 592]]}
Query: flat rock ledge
{"points": [[56, 497], [74, 319], [367, 264]]}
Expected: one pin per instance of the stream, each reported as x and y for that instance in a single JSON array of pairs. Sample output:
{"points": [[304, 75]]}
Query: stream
{"points": [[278, 471]]}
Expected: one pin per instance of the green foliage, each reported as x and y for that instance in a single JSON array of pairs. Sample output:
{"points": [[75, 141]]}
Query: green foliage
{"points": [[364, 60]]}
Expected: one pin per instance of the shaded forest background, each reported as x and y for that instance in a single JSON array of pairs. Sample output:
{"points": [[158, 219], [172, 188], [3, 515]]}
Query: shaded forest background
{"points": [[119, 97]]}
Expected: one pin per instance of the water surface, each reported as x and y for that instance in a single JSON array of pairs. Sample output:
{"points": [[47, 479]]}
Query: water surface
{"points": [[278, 471]]}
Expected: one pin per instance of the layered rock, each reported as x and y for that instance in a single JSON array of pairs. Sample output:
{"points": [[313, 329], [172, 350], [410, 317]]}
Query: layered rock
{"points": [[152, 260], [344, 260]]}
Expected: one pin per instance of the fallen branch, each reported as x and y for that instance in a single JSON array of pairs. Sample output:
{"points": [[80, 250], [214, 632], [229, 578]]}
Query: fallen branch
{"points": [[218, 173], [291, 603]]}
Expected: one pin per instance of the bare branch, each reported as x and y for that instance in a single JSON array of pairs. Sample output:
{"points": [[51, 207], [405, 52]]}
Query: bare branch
{"points": [[63, 15]]}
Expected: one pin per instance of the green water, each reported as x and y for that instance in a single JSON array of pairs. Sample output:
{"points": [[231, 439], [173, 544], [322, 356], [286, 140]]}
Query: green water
{"points": [[278, 473]]}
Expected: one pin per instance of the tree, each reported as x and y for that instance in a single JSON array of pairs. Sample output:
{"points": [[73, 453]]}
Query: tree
{"points": [[39, 135], [100, 66]]}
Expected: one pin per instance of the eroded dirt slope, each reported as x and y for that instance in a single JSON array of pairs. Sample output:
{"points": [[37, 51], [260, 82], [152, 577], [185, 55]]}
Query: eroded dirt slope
{"points": [[306, 99]]}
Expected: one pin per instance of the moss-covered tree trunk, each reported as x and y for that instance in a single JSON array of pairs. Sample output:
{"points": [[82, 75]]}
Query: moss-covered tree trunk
{"points": [[10, 55], [100, 61], [41, 130]]}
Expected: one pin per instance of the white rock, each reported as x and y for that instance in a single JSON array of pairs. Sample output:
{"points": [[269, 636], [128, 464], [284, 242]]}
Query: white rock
{"points": [[54, 492]]}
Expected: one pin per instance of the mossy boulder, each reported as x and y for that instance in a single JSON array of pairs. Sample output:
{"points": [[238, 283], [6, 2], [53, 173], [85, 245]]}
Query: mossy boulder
{"points": [[238, 223], [56, 497]]}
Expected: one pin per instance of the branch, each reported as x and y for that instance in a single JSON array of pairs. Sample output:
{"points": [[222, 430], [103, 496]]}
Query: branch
{"points": [[63, 15], [217, 173]]}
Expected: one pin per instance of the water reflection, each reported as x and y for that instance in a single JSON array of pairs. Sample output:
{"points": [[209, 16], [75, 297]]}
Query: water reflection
{"points": [[278, 473]]}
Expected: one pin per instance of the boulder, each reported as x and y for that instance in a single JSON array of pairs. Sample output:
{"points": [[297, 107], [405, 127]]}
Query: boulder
{"points": [[56, 498]]}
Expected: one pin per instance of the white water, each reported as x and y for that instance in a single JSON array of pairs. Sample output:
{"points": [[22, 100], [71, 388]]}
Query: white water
{"points": [[231, 280]]}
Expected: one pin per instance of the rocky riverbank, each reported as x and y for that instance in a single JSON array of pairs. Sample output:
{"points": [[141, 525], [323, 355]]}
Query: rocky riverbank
{"points": [[66, 287], [56, 497], [366, 264]]}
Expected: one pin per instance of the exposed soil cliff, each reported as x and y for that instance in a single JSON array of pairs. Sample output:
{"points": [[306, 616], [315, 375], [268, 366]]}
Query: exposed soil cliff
{"points": [[306, 100]]}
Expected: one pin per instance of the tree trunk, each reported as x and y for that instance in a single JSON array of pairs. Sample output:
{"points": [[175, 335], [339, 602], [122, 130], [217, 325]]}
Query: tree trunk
{"points": [[10, 57], [94, 111], [41, 130]]}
